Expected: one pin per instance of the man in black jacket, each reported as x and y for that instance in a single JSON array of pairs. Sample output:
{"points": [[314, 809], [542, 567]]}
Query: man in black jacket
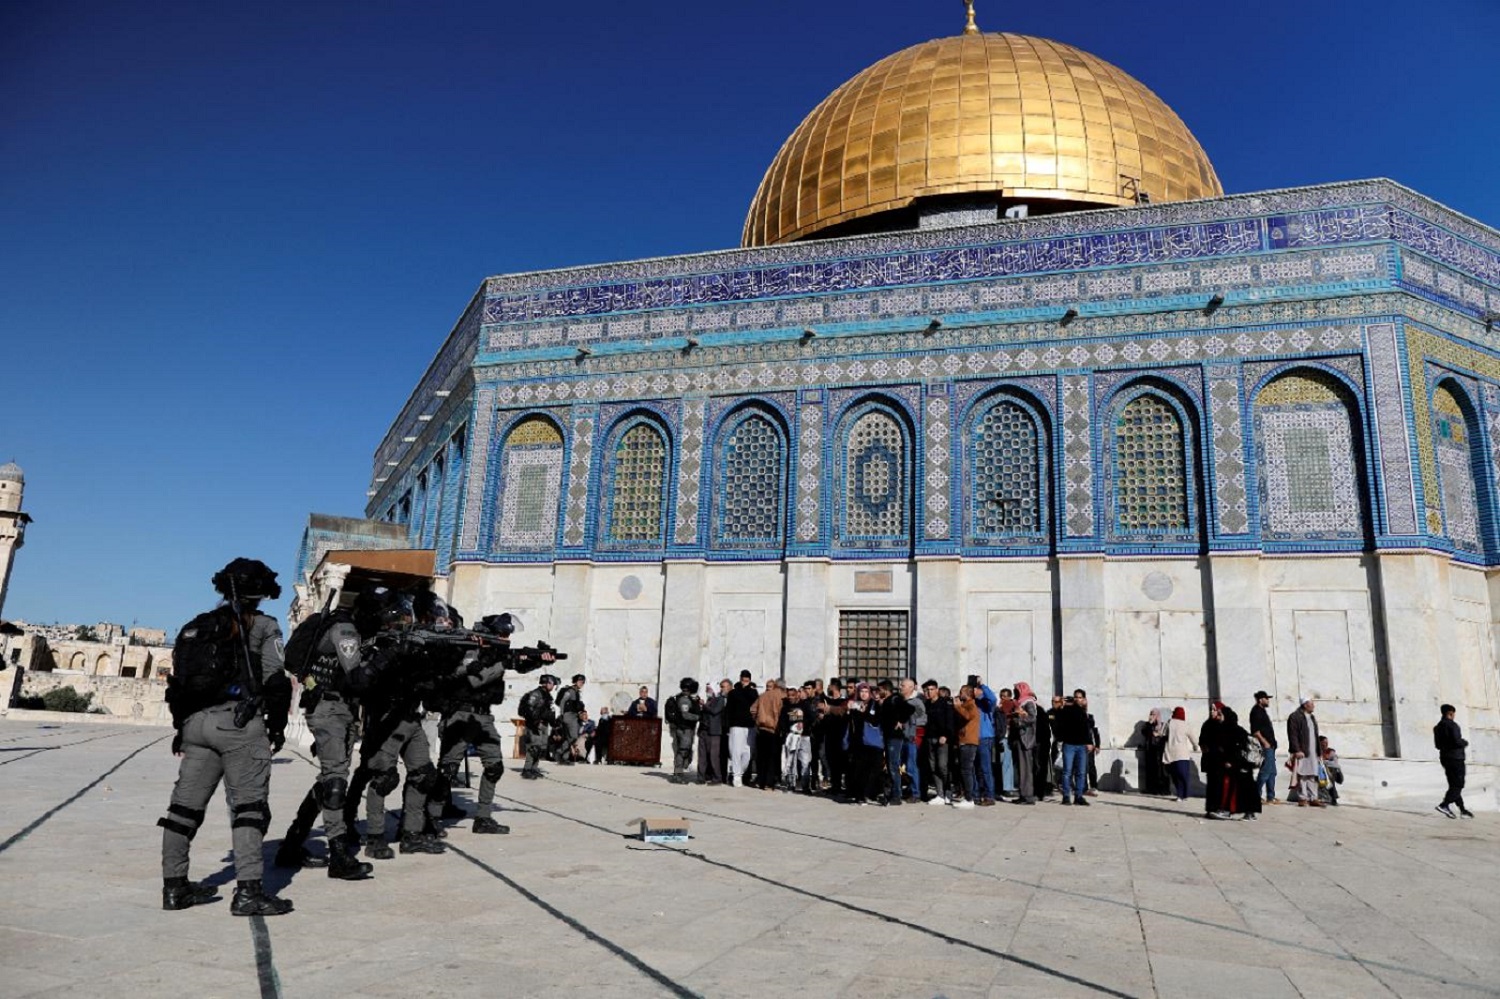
{"points": [[711, 735], [738, 719], [894, 713], [1073, 730], [938, 738], [1450, 742]]}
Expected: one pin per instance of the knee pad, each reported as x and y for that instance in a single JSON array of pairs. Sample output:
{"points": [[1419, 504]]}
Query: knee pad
{"points": [[424, 778], [252, 815], [383, 782], [332, 793], [495, 770], [182, 820], [449, 771]]}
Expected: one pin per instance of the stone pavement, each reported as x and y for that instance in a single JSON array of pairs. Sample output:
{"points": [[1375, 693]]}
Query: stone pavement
{"points": [[776, 895]]}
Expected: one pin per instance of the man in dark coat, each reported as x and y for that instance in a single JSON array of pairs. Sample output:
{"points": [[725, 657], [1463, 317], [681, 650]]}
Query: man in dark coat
{"points": [[1450, 742]]}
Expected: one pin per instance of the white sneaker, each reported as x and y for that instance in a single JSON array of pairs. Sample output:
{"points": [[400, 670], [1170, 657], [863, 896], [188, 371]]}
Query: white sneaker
{"points": [[939, 801], [965, 803]]}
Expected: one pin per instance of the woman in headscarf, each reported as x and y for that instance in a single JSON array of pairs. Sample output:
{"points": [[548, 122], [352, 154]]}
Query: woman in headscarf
{"points": [[1238, 792], [866, 747], [1178, 754], [1023, 738], [1211, 742], [1153, 745]]}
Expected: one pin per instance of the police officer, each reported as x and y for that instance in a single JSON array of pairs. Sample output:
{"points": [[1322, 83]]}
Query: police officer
{"points": [[569, 703], [467, 721], [683, 712], [227, 673], [390, 680], [538, 714], [323, 654]]}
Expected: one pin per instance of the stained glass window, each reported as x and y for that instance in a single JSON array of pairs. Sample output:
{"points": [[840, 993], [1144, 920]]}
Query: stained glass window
{"points": [[531, 479], [750, 477], [1151, 485], [875, 478], [1455, 462], [1007, 474], [638, 485], [1309, 482]]}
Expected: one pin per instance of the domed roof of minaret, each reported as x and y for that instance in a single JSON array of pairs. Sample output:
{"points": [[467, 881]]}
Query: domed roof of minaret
{"points": [[1006, 117], [11, 472]]}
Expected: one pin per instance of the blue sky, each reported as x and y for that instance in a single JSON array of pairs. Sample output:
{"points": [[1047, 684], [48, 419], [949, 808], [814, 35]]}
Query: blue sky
{"points": [[233, 235]]}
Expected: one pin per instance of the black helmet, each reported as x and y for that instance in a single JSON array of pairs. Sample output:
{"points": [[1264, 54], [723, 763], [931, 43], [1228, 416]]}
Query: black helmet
{"points": [[429, 608], [689, 685], [497, 624], [549, 678], [247, 579]]}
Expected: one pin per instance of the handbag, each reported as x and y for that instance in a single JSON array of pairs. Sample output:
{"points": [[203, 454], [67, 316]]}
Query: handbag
{"points": [[1254, 754]]}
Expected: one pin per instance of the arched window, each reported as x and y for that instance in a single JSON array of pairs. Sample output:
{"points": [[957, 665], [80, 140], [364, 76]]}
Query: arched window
{"points": [[749, 481], [102, 666], [77, 661], [530, 482], [1008, 472], [1309, 478], [1151, 470], [875, 479], [1455, 447], [638, 485]]}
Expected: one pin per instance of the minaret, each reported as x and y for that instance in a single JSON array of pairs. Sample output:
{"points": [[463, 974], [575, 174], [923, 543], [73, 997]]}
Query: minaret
{"points": [[12, 521]]}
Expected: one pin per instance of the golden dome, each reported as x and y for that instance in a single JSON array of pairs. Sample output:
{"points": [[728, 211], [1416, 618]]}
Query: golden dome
{"points": [[1018, 118]]}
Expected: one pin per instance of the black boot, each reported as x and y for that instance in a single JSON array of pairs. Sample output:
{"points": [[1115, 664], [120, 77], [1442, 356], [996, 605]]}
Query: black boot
{"points": [[377, 847], [343, 865], [487, 825], [293, 855], [421, 843], [251, 899], [180, 893], [452, 812]]}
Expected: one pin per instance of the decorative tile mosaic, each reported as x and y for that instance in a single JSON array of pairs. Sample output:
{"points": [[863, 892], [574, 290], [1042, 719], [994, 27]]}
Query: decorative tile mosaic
{"points": [[689, 469], [1231, 504], [1150, 469], [1455, 462], [749, 483], [1009, 474], [452, 364], [1308, 475], [530, 483], [875, 486], [479, 455], [809, 470], [937, 422], [636, 484], [1388, 375], [1078, 455], [576, 515]]}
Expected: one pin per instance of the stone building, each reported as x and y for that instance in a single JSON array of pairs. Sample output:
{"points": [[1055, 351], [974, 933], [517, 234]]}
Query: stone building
{"points": [[12, 521], [1001, 382]]}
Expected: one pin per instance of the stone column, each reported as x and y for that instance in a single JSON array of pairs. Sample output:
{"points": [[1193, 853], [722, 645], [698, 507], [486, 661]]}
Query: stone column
{"points": [[1419, 626], [1241, 628], [684, 626], [937, 606], [807, 625], [1086, 662], [572, 610]]}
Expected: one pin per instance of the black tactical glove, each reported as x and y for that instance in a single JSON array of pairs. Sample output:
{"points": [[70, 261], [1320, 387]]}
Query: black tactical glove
{"points": [[278, 739]]}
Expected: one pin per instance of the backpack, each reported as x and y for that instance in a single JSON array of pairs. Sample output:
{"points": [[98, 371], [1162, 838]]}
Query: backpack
{"points": [[530, 707], [207, 660], [674, 712], [301, 650]]}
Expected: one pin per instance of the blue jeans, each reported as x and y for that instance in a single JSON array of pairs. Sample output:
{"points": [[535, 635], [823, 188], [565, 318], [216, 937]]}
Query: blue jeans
{"points": [[1075, 775], [913, 771], [1267, 776], [895, 751], [985, 777], [1007, 768]]}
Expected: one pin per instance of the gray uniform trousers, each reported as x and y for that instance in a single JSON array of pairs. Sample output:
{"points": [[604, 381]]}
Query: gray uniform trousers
{"points": [[471, 727], [212, 748], [571, 726], [332, 727], [535, 743], [682, 749], [408, 743]]}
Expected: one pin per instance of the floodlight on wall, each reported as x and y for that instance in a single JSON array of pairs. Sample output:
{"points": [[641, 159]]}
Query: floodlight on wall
{"points": [[1490, 319], [443, 393], [692, 342], [1213, 304], [934, 326], [393, 464], [1069, 316], [408, 440], [808, 334], [582, 353]]}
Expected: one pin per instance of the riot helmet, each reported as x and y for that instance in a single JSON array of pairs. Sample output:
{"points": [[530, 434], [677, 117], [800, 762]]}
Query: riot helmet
{"points": [[688, 685], [247, 579]]}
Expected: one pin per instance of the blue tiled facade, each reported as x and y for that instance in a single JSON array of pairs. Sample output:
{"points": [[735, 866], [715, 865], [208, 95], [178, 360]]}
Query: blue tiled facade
{"points": [[1002, 359]]}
